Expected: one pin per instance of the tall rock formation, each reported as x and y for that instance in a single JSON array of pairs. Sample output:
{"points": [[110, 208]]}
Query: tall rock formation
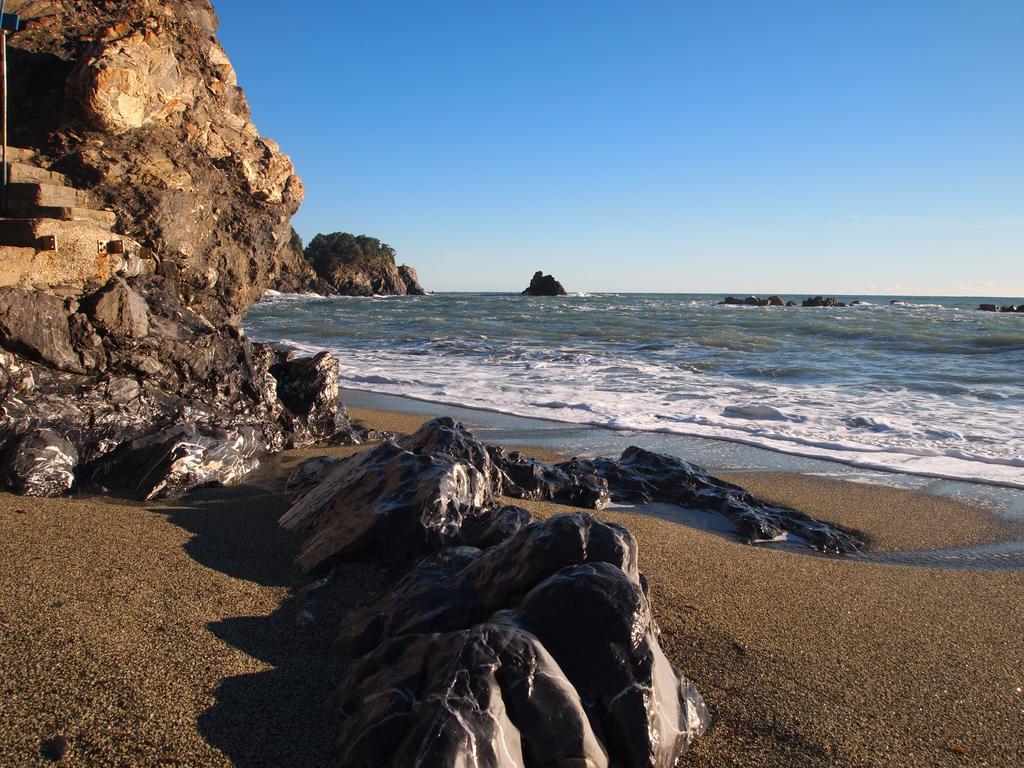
{"points": [[137, 102], [544, 285], [120, 355]]}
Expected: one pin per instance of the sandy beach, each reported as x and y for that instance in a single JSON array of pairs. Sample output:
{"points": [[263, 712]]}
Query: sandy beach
{"points": [[166, 634]]}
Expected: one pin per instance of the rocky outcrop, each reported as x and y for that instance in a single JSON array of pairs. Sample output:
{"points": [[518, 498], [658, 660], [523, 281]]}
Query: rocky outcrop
{"points": [[106, 374], [544, 285], [754, 301], [41, 463], [413, 496], [538, 651], [349, 265], [133, 358], [1003, 308], [411, 280], [643, 477], [137, 103], [821, 301], [177, 459], [514, 643]]}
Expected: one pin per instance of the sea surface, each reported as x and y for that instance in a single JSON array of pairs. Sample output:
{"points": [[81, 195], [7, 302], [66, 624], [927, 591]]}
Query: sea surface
{"points": [[926, 386]]}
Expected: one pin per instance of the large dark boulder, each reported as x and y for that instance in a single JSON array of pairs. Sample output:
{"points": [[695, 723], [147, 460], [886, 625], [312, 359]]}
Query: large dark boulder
{"points": [[308, 388], [544, 285], [177, 459], [386, 501], [36, 326], [538, 651], [41, 463]]}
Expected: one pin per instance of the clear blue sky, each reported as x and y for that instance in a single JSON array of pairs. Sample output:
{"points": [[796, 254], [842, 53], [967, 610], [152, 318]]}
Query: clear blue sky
{"points": [[836, 147]]}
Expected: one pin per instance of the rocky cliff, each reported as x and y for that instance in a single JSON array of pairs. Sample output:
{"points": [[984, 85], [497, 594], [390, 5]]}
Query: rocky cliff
{"points": [[349, 265], [137, 102], [150, 214]]}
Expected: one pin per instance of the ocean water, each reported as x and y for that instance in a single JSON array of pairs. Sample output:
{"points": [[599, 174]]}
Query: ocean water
{"points": [[927, 386]]}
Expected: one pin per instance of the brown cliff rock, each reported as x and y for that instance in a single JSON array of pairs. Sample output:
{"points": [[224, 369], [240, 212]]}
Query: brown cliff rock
{"points": [[133, 107], [152, 122], [356, 265]]}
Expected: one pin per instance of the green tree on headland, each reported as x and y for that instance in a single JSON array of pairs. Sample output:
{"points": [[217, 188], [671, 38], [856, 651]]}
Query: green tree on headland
{"points": [[326, 252]]}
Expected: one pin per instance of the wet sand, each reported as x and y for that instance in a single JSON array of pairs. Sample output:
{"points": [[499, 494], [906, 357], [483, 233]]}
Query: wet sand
{"points": [[166, 634]]}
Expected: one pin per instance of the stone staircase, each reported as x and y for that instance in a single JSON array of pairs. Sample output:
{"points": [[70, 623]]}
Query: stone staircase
{"points": [[54, 236]]}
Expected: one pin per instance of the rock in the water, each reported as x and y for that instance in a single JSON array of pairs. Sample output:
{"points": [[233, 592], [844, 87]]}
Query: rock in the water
{"points": [[538, 651], [353, 265], [118, 309], [411, 280], [388, 501], [178, 459], [750, 301], [821, 301], [544, 285], [42, 463], [1006, 308]]}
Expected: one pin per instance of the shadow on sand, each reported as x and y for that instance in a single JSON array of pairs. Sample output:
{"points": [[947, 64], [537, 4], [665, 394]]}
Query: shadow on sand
{"points": [[276, 717]]}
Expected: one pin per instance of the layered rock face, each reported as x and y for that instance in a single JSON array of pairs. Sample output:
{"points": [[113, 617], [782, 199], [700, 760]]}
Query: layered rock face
{"points": [[138, 377], [350, 265], [137, 102], [544, 285]]}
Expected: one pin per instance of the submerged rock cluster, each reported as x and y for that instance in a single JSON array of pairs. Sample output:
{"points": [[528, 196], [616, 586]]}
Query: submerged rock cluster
{"points": [[509, 641]]}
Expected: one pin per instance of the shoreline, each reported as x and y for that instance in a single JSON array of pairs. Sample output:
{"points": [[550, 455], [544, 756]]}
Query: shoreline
{"points": [[187, 635], [715, 454], [739, 442]]}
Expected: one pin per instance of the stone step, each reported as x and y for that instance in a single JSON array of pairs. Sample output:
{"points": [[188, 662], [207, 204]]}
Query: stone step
{"points": [[24, 172], [20, 155], [39, 193], [31, 233], [48, 252], [105, 219]]}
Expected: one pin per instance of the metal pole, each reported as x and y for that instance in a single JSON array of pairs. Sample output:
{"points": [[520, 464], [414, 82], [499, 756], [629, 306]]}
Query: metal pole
{"points": [[3, 85]]}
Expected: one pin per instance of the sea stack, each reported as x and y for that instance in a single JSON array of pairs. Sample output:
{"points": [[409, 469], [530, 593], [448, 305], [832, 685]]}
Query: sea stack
{"points": [[544, 285]]}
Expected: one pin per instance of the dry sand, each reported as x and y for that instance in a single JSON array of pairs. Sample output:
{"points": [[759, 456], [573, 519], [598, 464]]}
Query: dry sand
{"points": [[165, 634]]}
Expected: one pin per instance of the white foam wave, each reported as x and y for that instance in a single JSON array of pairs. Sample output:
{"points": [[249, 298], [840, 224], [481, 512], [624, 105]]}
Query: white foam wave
{"points": [[874, 432]]}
